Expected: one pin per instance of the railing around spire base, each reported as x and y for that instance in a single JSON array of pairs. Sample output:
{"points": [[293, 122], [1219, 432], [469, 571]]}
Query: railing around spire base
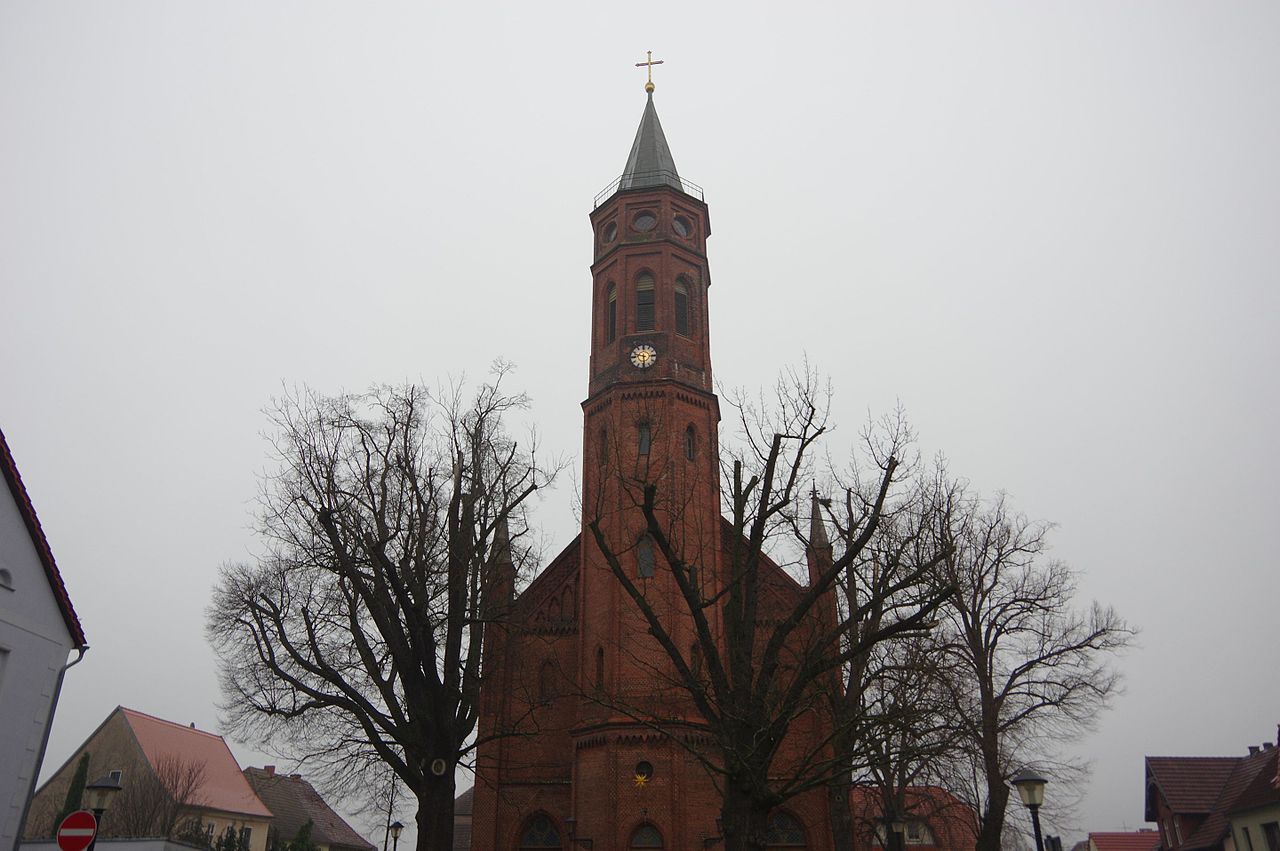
{"points": [[648, 180]]}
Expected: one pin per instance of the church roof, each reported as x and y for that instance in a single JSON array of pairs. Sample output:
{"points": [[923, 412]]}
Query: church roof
{"points": [[650, 162], [23, 501]]}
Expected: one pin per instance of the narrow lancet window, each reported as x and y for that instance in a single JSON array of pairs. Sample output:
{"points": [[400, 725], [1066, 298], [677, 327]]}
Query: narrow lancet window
{"points": [[611, 315], [644, 557], [645, 438], [690, 443], [682, 308], [645, 316]]}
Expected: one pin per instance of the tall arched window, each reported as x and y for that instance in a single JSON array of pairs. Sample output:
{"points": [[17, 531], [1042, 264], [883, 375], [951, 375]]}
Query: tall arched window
{"points": [[644, 557], [645, 438], [539, 833], [599, 669], [682, 307], [784, 831], [611, 315], [690, 442], [645, 316], [646, 836], [602, 447]]}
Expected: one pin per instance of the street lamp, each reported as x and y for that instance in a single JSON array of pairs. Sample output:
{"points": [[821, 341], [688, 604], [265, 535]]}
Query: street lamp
{"points": [[99, 795], [1030, 786], [396, 827]]}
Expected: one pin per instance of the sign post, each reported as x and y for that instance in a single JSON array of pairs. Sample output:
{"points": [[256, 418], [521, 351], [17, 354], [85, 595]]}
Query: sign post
{"points": [[77, 831]]}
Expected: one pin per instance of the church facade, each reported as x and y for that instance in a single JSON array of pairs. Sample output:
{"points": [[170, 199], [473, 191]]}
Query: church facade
{"points": [[570, 753]]}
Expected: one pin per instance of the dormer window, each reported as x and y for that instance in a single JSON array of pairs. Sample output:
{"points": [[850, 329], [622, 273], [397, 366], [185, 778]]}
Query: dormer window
{"points": [[645, 315]]}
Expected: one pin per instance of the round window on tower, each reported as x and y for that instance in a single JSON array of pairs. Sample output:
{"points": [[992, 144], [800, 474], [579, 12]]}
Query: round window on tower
{"points": [[645, 220], [609, 233], [682, 226], [644, 769]]}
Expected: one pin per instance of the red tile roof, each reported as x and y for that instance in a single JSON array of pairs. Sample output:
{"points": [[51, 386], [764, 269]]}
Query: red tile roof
{"points": [[1189, 784], [1212, 786], [294, 801], [1264, 790], [1137, 840], [38, 540], [224, 787]]}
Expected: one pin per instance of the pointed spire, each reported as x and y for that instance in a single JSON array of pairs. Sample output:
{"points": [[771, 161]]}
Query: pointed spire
{"points": [[504, 571], [817, 531], [650, 162]]}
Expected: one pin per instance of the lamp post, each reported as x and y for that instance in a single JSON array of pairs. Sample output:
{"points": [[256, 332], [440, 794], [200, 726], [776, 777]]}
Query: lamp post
{"points": [[396, 827], [1030, 786], [99, 795]]}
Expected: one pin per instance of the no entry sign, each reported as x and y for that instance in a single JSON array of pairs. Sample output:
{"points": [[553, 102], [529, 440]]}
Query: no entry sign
{"points": [[77, 830]]}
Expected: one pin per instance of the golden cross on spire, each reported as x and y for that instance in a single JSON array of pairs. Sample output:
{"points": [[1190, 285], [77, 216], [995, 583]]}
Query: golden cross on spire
{"points": [[648, 87]]}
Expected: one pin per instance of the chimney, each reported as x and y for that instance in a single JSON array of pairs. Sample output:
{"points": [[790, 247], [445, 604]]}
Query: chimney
{"points": [[1253, 750], [295, 776], [1266, 746], [270, 770]]}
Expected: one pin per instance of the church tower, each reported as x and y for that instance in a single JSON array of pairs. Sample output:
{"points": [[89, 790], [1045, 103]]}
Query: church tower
{"points": [[565, 758]]}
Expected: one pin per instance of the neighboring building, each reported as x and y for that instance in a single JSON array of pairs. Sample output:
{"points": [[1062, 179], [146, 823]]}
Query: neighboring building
{"points": [[294, 802], [38, 631], [1215, 803], [593, 776], [462, 806], [1132, 840], [932, 819], [172, 776]]}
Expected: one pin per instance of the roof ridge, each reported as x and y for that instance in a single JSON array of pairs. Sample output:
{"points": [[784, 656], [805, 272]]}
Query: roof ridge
{"points": [[185, 727]]}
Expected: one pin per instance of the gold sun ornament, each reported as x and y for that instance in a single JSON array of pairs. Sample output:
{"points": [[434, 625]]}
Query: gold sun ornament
{"points": [[640, 781]]}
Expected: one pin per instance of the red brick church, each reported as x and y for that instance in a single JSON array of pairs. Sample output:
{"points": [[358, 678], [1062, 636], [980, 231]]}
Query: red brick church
{"points": [[577, 673]]}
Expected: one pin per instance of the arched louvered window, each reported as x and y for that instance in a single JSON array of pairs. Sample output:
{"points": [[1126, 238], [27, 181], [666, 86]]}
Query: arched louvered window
{"points": [[784, 831], [682, 307], [690, 442], [611, 315], [646, 836], [644, 557], [645, 316], [539, 833]]}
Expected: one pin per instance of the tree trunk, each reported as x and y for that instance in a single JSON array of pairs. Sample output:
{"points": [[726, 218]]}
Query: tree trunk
{"points": [[435, 813], [993, 822], [745, 824], [841, 815]]}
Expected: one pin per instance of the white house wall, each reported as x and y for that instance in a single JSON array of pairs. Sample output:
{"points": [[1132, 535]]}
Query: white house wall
{"points": [[34, 645]]}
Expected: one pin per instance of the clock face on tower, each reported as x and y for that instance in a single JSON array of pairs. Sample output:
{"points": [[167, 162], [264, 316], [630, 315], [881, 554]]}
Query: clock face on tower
{"points": [[644, 356]]}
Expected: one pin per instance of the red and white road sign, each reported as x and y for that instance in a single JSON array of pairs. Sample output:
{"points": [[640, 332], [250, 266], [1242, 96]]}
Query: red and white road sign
{"points": [[77, 831]]}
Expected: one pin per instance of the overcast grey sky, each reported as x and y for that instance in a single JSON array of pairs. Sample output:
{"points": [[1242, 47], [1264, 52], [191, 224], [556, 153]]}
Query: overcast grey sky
{"points": [[1050, 229]]}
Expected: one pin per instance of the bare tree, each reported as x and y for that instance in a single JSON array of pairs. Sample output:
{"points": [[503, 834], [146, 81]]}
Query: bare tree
{"points": [[156, 796], [760, 660], [354, 642], [1031, 670]]}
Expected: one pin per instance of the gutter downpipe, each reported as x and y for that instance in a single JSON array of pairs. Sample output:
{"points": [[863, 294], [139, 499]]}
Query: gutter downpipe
{"points": [[44, 744]]}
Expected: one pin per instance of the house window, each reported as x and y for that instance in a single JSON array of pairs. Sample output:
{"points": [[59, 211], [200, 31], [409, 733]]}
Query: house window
{"points": [[682, 307], [690, 442], [644, 303], [1271, 830], [644, 557], [1248, 840], [246, 833], [611, 315], [645, 438], [540, 832], [646, 836], [918, 833]]}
